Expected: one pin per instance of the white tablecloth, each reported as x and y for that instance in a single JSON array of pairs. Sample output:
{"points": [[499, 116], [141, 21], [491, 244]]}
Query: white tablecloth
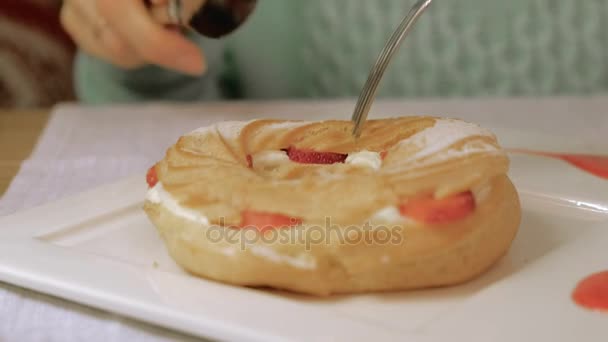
{"points": [[83, 148]]}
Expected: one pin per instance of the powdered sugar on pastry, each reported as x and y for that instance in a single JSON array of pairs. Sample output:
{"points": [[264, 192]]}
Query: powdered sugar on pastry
{"points": [[226, 127], [279, 126], [230, 130], [444, 134]]}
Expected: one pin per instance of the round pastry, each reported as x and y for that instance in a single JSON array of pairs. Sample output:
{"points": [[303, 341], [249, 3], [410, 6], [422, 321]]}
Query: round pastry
{"points": [[415, 202]]}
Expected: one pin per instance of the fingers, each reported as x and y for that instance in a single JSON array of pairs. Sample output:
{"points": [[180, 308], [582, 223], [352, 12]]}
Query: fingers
{"points": [[123, 33], [149, 39], [93, 37], [159, 2], [160, 12]]}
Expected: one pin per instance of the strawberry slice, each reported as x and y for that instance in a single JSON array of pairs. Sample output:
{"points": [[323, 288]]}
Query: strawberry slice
{"points": [[438, 211], [383, 155], [264, 221], [314, 157], [152, 177], [249, 161]]}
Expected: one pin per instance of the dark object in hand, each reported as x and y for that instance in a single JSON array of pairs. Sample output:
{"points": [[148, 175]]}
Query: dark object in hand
{"points": [[218, 18]]}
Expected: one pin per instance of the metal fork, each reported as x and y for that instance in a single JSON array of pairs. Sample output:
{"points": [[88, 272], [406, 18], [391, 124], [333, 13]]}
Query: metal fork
{"points": [[368, 93]]}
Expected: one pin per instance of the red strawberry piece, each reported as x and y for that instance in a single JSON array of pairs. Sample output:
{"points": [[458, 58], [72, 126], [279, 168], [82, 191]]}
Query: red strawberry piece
{"points": [[249, 161], [152, 177], [315, 157], [438, 211], [383, 155], [264, 221]]}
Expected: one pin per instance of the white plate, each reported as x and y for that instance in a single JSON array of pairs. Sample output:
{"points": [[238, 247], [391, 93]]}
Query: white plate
{"points": [[99, 249]]}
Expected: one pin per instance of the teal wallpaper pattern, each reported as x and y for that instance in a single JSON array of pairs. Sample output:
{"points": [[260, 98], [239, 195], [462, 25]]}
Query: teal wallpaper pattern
{"points": [[325, 48], [458, 48]]}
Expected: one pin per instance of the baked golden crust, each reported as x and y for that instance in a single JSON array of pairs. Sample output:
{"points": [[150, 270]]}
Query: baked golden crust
{"points": [[207, 171]]}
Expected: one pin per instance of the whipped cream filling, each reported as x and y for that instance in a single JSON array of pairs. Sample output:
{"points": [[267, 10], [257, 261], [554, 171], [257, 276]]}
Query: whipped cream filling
{"points": [[302, 261], [387, 215], [269, 159], [390, 214], [482, 192], [365, 159], [158, 195]]}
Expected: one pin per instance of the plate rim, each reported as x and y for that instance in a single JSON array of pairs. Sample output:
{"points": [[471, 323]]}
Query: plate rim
{"points": [[28, 240]]}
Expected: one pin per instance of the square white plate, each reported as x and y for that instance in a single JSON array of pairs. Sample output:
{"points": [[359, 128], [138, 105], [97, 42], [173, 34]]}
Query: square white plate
{"points": [[99, 249]]}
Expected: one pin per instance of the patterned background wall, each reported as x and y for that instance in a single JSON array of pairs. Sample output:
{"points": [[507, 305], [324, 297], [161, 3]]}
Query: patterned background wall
{"points": [[460, 47], [324, 48]]}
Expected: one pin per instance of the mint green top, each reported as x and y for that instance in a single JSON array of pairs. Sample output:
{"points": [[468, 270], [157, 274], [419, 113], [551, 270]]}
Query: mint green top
{"points": [[321, 48]]}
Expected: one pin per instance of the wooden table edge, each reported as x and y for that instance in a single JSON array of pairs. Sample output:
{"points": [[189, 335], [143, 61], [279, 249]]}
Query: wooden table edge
{"points": [[20, 130]]}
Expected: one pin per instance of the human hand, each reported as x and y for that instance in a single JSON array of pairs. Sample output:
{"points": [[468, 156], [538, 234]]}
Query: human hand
{"points": [[129, 34]]}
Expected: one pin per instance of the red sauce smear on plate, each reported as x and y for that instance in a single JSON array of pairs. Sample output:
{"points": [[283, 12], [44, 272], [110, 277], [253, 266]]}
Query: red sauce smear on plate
{"points": [[592, 292], [594, 164]]}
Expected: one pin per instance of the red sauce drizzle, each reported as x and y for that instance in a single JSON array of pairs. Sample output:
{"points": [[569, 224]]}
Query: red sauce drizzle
{"points": [[593, 164], [592, 292]]}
